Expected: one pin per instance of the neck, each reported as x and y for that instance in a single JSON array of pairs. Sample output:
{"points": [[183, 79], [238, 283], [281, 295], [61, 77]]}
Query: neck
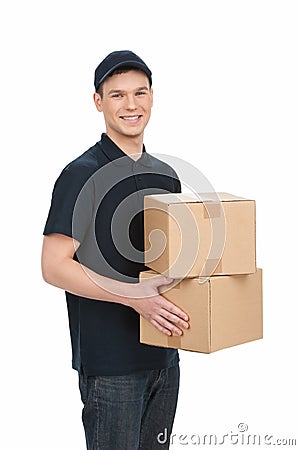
{"points": [[132, 146]]}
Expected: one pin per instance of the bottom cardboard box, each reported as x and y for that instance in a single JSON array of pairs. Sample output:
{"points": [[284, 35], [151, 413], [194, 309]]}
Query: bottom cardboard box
{"points": [[224, 311]]}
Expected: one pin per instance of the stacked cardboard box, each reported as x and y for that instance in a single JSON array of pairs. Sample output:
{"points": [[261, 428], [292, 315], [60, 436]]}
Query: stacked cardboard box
{"points": [[207, 243]]}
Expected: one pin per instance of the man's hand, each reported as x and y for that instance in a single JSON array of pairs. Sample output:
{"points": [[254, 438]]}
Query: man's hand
{"points": [[164, 315]]}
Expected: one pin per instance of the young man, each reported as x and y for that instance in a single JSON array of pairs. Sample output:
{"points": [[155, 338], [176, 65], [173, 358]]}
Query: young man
{"points": [[94, 249]]}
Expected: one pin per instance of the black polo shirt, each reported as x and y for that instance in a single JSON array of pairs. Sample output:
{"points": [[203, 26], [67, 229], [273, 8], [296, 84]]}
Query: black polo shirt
{"points": [[98, 200]]}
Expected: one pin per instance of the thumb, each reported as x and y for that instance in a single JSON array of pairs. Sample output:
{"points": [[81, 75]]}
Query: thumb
{"points": [[164, 280]]}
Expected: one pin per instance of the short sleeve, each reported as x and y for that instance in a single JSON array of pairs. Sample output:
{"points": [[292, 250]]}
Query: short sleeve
{"points": [[176, 182], [72, 184], [177, 186]]}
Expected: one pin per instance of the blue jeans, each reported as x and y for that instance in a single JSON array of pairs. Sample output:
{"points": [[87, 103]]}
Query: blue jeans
{"points": [[129, 412]]}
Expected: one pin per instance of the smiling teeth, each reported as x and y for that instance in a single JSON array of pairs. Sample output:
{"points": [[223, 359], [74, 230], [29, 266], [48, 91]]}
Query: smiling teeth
{"points": [[131, 117]]}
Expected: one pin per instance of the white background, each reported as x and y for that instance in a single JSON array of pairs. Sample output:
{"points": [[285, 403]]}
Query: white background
{"points": [[226, 84]]}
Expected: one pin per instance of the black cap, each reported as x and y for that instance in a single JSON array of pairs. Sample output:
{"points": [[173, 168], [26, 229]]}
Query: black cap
{"points": [[118, 59]]}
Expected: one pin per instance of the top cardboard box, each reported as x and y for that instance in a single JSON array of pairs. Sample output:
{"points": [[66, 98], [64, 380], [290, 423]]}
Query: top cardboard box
{"points": [[191, 235]]}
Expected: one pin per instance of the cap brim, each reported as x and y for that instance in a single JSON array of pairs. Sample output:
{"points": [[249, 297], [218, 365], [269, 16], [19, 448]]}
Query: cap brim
{"points": [[130, 63]]}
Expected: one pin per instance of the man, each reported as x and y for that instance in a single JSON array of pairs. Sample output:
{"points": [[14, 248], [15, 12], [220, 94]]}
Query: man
{"points": [[93, 249]]}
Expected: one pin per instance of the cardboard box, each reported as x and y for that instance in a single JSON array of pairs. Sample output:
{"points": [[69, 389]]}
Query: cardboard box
{"points": [[224, 311], [191, 235]]}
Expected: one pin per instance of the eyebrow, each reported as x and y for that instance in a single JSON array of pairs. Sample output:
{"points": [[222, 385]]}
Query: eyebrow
{"points": [[120, 91], [143, 88]]}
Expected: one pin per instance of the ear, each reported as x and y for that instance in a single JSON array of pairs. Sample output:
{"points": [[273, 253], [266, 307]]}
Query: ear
{"points": [[98, 102]]}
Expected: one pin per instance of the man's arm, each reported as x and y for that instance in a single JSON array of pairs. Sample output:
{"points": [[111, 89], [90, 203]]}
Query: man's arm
{"points": [[60, 270]]}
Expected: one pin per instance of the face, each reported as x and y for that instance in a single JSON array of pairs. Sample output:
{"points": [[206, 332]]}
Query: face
{"points": [[126, 104]]}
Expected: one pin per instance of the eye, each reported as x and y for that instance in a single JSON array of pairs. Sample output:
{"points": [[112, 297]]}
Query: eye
{"points": [[141, 93], [117, 95]]}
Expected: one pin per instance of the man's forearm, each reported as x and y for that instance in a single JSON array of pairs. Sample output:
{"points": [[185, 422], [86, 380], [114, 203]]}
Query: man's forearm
{"points": [[61, 270], [71, 276]]}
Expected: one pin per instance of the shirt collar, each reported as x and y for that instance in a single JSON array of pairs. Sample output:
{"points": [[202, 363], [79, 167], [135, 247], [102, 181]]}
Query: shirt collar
{"points": [[120, 158]]}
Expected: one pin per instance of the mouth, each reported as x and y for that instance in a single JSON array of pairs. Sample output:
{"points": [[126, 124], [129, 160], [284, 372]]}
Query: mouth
{"points": [[131, 119]]}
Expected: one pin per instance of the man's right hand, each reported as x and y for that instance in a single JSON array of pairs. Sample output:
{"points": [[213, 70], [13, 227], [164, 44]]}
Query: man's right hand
{"points": [[164, 315]]}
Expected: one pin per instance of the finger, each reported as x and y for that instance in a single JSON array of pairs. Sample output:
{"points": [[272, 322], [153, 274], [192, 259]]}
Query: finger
{"points": [[160, 327], [168, 306], [162, 280], [174, 319], [167, 280], [172, 328]]}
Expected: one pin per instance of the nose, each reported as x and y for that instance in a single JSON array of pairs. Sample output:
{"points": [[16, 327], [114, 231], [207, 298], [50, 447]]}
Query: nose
{"points": [[130, 102]]}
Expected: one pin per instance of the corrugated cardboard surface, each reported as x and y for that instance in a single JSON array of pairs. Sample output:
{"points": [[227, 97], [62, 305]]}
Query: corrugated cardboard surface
{"points": [[185, 237], [224, 311]]}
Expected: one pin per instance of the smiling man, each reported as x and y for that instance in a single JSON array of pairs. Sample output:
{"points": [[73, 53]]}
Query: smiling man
{"points": [[126, 103], [94, 250]]}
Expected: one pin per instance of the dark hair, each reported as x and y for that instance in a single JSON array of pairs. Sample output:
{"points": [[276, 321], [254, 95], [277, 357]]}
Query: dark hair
{"points": [[123, 69]]}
